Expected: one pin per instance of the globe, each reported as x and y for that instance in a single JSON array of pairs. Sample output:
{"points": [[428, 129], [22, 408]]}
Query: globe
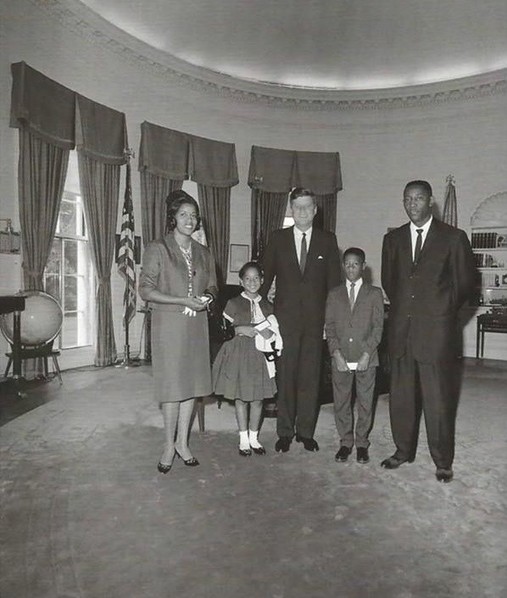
{"points": [[41, 321]]}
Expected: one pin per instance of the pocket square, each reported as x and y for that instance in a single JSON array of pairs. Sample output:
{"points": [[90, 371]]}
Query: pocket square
{"points": [[320, 257]]}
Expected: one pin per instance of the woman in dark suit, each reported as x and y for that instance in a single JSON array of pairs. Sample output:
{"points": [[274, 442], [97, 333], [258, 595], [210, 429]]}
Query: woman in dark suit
{"points": [[179, 280]]}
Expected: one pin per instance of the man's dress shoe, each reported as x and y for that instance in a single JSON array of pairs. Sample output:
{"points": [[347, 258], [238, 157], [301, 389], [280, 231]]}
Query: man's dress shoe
{"points": [[309, 443], [283, 444], [362, 455], [343, 454], [444, 475], [395, 461]]}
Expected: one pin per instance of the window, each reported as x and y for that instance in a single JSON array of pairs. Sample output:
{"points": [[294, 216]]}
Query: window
{"points": [[69, 274], [288, 220]]}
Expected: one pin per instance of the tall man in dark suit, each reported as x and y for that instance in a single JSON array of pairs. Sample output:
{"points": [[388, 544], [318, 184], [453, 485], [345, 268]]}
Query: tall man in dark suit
{"points": [[428, 272], [306, 264]]}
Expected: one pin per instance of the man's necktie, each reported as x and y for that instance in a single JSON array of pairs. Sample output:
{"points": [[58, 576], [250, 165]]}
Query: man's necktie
{"points": [[418, 245], [304, 251], [352, 296]]}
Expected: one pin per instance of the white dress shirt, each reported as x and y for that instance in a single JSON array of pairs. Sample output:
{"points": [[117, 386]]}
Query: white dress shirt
{"points": [[298, 239], [413, 233], [357, 286]]}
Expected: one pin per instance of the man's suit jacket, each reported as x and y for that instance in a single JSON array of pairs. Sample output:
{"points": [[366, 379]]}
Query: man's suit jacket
{"points": [[354, 331], [425, 299], [300, 299]]}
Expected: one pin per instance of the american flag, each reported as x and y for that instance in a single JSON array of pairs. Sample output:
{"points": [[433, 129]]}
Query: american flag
{"points": [[126, 263], [450, 215]]}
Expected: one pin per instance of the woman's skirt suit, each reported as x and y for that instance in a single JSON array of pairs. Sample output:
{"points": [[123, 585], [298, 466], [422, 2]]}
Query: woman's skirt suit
{"points": [[240, 370], [179, 343]]}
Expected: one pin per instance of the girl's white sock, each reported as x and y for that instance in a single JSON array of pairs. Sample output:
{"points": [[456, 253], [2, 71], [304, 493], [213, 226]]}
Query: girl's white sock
{"points": [[253, 438], [244, 444]]}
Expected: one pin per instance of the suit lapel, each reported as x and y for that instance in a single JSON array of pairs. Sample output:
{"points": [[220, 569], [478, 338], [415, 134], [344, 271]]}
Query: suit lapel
{"points": [[290, 243], [430, 242], [406, 260], [363, 292], [313, 250], [431, 239]]}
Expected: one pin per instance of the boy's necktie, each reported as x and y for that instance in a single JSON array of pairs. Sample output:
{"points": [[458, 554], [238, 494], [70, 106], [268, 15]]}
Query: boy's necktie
{"points": [[304, 251], [418, 245], [352, 296]]}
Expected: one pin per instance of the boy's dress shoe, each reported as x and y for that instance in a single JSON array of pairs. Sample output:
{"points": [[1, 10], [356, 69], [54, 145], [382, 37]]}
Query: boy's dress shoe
{"points": [[343, 454], [362, 455], [309, 443], [444, 475], [283, 444]]}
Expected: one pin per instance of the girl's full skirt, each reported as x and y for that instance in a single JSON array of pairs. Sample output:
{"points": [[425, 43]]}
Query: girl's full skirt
{"points": [[240, 371]]}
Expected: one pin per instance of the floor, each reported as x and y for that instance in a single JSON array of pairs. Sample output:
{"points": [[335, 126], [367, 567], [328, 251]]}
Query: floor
{"points": [[84, 513]]}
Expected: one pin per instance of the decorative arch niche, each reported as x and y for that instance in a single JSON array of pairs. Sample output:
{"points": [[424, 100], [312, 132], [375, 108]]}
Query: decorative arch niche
{"points": [[491, 212]]}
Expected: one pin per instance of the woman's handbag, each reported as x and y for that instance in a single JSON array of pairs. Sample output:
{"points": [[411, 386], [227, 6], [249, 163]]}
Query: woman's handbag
{"points": [[221, 329]]}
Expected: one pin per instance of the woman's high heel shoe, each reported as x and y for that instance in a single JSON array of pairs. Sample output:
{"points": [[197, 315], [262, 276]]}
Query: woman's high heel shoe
{"points": [[163, 468], [192, 462]]}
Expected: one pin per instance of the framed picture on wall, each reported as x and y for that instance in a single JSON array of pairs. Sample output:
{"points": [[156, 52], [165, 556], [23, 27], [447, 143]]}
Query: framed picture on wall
{"points": [[238, 256]]}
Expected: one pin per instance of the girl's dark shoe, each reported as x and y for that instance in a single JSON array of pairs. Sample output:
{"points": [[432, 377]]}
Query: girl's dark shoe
{"points": [[244, 452], [259, 450]]}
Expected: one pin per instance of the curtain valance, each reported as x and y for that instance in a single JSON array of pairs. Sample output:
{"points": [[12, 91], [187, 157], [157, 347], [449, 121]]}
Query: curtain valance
{"points": [[64, 118], [278, 170], [101, 132], [180, 156], [42, 105]]}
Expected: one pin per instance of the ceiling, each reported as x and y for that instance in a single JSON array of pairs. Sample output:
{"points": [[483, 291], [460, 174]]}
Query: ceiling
{"points": [[331, 44]]}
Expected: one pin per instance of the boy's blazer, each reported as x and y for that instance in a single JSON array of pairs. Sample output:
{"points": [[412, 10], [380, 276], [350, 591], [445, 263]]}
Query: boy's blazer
{"points": [[300, 298], [358, 330]]}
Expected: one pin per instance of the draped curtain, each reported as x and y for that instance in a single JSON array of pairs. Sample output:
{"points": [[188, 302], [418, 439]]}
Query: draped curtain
{"points": [[41, 177], [166, 159], [154, 190], [100, 186], [215, 203], [272, 174], [268, 212], [101, 141], [326, 212], [43, 111]]}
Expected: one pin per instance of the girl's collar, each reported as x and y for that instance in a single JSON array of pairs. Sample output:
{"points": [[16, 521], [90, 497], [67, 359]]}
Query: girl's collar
{"points": [[255, 300]]}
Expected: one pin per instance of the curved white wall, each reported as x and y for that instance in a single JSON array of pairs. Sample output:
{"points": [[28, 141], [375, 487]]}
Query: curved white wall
{"points": [[380, 149]]}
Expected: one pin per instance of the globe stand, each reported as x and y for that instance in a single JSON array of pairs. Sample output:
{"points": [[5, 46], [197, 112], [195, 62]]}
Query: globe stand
{"points": [[42, 352]]}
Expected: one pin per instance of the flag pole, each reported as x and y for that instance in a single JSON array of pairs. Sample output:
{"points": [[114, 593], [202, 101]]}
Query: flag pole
{"points": [[126, 264]]}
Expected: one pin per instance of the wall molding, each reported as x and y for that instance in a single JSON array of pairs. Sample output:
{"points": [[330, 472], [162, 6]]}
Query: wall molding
{"points": [[78, 18]]}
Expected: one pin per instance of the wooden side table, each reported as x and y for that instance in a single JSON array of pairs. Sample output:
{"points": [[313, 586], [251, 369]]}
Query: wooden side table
{"points": [[489, 322]]}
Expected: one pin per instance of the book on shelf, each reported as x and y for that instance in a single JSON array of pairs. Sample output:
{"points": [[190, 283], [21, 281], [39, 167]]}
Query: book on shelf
{"points": [[484, 240]]}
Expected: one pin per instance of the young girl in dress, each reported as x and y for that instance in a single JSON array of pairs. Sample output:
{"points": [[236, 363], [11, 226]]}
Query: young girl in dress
{"points": [[243, 370]]}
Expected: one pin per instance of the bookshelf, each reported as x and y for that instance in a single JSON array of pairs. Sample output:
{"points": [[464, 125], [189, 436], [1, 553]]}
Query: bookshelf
{"points": [[490, 250]]}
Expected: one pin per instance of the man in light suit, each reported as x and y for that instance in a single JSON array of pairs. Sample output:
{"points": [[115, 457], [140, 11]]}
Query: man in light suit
{"points": [[428, 272], [354, 323], [306, 264]]}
